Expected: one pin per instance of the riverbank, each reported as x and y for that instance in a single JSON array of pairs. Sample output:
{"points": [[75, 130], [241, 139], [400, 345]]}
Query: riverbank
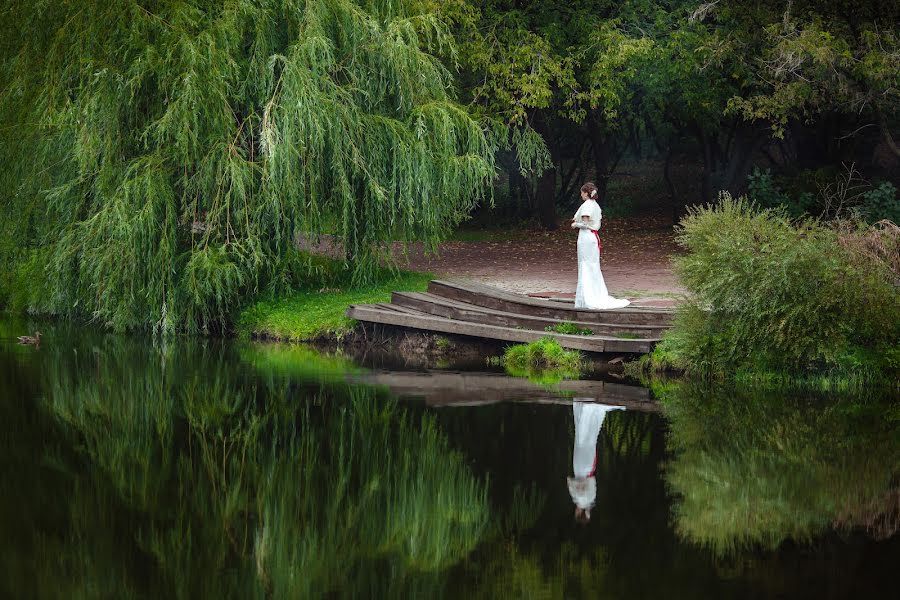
{"points": [[317, 312]]}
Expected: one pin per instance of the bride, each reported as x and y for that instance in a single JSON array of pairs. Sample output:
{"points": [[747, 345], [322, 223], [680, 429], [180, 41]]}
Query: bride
{"points": [[591, 291]]}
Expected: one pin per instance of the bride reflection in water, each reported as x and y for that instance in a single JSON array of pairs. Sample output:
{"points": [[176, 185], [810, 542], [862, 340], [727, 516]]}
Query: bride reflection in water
{"points": [[589, 418]]}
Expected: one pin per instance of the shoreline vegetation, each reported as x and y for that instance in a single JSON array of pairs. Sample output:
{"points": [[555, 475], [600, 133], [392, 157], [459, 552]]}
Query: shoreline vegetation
{"points": [[542, 361], [316, 310], [780, 301]]}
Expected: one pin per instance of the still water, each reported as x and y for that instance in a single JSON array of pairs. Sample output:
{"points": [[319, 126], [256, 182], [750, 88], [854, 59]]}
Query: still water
{"points": [[210, 469]]}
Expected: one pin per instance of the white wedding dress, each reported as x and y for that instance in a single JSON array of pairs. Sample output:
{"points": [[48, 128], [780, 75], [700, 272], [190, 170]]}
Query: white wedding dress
{"points": [[591, 291], [589, 418]]}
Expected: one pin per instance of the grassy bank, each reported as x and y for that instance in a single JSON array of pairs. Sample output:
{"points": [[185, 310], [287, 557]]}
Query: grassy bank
{"points": [[317, 309]]}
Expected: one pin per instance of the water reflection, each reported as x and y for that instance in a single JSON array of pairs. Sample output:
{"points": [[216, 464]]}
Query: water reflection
{"points": [[208, 469], [582, 486], [192, 476], [754, 470]]}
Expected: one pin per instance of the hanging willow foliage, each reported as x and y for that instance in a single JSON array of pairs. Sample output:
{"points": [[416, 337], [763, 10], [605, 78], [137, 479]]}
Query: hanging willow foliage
{"points": [[160, 156]]}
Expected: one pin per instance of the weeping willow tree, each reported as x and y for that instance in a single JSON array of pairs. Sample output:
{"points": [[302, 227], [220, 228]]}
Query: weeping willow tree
{"points": [[161, 156]]}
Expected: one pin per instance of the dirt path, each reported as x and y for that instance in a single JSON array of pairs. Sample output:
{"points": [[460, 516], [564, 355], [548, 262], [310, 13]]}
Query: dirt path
{"points": [[637, 253], [636, 261]]}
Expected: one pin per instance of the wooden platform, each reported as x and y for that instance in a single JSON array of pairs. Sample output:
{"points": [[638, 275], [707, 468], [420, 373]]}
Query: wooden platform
{"points": [[482, 311]]}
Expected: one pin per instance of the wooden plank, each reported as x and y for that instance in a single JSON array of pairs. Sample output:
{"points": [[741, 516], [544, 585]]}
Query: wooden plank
{"points": [[492, 298], [400, 308], [479, 290], [464, 311], [452, 388], [589, 343]]}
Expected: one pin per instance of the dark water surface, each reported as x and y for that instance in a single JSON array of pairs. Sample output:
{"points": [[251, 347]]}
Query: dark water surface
{"points": [[210, 469]]}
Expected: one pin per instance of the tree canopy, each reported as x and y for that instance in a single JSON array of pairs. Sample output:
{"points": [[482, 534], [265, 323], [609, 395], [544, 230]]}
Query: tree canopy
{"points": [[161, 156]]}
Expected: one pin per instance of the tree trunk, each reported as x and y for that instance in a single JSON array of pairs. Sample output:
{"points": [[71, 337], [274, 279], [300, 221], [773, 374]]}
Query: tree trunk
{"points": [[670, 186], [741, 160], [545, 194], [601, 152], [518, 191], [546, 199], [885, 129], [706, 194]]}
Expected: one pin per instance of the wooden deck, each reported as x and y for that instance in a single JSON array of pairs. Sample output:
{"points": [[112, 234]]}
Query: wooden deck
{"points": [[486, 312]]}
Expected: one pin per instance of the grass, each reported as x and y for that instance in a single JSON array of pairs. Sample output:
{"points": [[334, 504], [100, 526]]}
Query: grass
{"points": [[569, 328], [543, 361], [627, 335], [307, 314]]}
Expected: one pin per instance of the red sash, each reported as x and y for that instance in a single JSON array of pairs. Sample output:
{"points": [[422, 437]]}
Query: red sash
{"points": [[599, 245]]}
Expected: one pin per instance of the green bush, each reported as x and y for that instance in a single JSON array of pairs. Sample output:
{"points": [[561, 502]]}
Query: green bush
{"points": [[618, 206], [762, 189], [772, 294], [880, 203]]}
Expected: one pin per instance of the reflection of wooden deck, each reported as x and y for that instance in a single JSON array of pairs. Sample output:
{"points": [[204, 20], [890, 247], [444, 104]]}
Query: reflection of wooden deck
{"points": [[486, 312], [449, 388]]}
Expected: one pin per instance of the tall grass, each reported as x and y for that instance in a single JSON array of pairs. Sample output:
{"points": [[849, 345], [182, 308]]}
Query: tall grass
{"points": [[543, 361], [314, 304], [773, 294]]}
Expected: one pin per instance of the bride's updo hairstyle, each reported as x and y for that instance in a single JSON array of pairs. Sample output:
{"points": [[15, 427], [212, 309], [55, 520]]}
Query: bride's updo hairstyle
{"points": [[591, 190]]}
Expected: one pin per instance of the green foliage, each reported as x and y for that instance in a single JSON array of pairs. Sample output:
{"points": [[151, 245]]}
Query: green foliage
{"points": [[569, 328], [769, 294], [162, 158], [317, 306], [880, 203], [543, 361], [618, 206], [845, 195], [761, 189], [819, 58], [752, 469]]}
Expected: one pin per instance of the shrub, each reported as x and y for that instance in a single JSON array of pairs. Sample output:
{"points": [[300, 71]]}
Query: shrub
{"points": [[880, 203], [774, 294], [761, 188], [617, 207]]}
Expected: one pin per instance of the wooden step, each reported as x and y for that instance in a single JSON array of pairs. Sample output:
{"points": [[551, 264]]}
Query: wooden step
{"points": [[464, 311], [489, 297], [589, 343]]}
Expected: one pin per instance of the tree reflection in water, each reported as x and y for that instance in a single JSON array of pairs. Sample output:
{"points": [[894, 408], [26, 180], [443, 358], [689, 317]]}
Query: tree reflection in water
{"points": [[186, 476], [751, 470], [204, 469]]}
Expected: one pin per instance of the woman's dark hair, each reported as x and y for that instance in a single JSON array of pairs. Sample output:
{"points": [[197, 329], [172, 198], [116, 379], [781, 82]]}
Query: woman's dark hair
{"points": [[591, 190]]}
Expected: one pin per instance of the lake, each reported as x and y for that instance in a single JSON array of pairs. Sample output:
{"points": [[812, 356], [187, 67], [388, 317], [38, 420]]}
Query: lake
{"points": [[201, 468]]}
